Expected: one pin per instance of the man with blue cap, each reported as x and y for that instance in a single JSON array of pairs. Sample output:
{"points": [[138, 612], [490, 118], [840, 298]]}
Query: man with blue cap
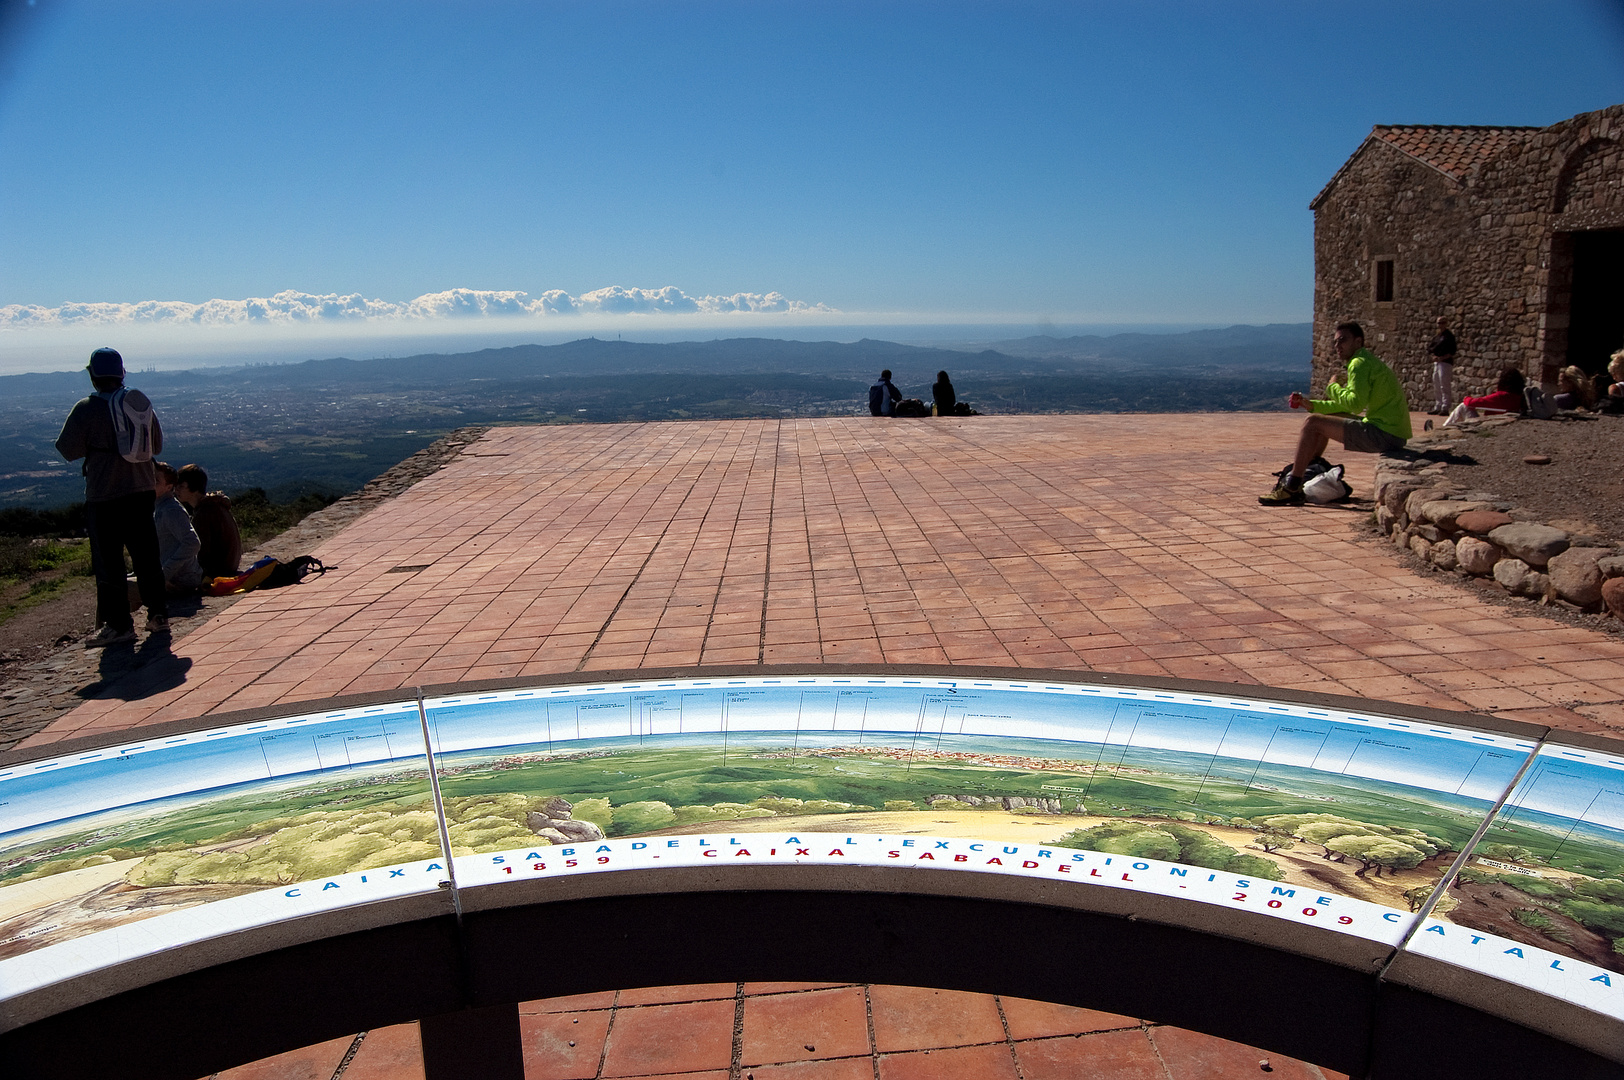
{"points": [[117, 433]]}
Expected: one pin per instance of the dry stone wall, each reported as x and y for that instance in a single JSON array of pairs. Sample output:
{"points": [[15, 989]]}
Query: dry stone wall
{"points": [[1474, 534]]}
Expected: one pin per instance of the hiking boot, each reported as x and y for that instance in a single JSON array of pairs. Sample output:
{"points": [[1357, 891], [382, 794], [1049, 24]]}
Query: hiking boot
{"points": [[108, 636], [1283, 495], [157, 624]]}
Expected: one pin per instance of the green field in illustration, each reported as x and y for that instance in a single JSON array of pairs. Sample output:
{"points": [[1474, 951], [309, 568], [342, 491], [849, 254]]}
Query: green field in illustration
{"points": [[321, 809], [1377, 841]]}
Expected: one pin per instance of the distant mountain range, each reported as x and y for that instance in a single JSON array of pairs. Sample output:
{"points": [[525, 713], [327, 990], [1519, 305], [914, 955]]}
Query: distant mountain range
{"points": [[1280, 348], [1235, 349], [331, 425]]}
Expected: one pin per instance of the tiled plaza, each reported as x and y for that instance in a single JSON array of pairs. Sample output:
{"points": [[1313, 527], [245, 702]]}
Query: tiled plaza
{"points": [[1130, 544], [813, 1031]]}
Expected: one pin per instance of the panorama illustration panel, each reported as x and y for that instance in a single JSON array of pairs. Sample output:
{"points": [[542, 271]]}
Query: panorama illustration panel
{"points": [[118, 852], [1336, 819], [1540, 901]]}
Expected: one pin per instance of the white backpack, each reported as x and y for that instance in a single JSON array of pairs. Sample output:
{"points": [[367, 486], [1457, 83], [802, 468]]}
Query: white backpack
{"points": [[1327, 487], [133, 421]]}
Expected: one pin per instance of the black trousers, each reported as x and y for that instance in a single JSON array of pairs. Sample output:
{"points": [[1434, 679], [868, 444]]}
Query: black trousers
{"points": [[116, 524]]}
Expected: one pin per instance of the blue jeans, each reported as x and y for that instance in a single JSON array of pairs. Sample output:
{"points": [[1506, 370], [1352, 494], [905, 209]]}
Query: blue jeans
{"points": [[116, 524]]}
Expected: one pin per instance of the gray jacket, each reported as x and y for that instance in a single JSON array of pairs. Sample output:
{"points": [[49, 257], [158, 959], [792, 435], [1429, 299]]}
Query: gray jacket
{"points": [[178, 544], [88, 433]]}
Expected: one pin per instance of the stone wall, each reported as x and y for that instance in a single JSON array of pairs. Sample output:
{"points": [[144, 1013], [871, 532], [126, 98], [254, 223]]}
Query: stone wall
{"points": [[1424, 512], [1387, 205], [1491, 253]]}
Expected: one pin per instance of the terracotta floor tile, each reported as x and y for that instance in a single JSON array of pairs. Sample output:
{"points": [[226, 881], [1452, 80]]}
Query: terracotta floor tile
{"points": [[915, 1018], [1029, 1019], [800, 1027], [573, 1003], [670, 1039], [317, 1062], [1118, 1055], [964, 1063], [391, 1053], [662, 995], [1190, 1055], [563, 1045], [858, 1068], [752, 989], [1031, 543]]}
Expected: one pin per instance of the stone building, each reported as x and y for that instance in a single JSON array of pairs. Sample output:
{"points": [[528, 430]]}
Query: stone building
{"points": [[1515, 234]]}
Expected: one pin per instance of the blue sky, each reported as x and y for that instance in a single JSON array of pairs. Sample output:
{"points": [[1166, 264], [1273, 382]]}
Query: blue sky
{"points": [[1029, 164]]}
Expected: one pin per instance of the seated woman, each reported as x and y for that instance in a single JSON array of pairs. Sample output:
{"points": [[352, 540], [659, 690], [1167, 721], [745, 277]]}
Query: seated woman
{"points": [[942, 395], [1507, 398], [1574, 390]]}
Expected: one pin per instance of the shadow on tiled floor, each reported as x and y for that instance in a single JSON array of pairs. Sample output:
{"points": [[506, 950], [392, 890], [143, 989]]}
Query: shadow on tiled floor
{"points": [[812, 1031]]}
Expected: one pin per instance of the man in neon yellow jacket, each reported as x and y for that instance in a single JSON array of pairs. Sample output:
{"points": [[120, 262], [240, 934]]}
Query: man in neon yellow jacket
{"points": [[1367, 412]]}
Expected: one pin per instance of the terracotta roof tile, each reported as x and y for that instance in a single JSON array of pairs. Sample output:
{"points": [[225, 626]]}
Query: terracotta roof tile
{"points": [[1453, 151]]}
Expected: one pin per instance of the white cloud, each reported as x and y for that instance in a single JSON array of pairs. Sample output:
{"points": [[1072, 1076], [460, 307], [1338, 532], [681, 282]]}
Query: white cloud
{"points": [[305, 309]]}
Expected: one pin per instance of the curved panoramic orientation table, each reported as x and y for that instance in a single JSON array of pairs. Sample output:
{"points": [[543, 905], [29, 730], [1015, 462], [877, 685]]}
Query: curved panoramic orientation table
{"points": [[1385, 890]]}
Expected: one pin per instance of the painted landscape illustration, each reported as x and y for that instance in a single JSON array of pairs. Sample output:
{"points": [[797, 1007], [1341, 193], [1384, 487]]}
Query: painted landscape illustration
{"points": [[95, 845], [1365, 809], [1550, 870]]}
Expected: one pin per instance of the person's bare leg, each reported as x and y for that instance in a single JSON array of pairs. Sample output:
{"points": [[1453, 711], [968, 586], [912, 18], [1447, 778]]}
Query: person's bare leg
{"points": [[1319, 430]]}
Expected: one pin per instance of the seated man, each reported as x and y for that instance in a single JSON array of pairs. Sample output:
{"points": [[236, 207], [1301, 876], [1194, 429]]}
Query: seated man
{"points": [[216, 528], [178, 544], [1369, 388], [883, 396]]}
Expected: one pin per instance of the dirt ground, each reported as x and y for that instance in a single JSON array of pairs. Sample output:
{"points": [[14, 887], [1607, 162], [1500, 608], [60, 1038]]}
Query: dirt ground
{"points": [[67, 616], [1488, 907], [1583, 485]]}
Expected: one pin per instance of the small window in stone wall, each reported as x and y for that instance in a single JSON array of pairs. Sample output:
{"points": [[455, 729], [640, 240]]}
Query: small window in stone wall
{"points": [[1384, 281]]}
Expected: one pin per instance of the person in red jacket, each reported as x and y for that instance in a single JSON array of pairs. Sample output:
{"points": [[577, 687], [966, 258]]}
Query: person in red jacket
{"points": [[1507, 398]]}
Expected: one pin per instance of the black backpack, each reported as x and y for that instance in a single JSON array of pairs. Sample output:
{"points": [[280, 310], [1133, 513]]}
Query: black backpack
{"points": [[293, 572]]}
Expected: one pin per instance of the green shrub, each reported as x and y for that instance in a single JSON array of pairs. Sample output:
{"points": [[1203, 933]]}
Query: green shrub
{"points": [[1533, 918], [722, 811], [21, 557], [641, 817], [1610, 890], [1603, 918], [1170, 842], [596, 811], [259, 518]]}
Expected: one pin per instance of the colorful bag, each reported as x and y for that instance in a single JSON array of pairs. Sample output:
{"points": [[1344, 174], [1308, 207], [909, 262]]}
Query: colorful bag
{"points": [[252, 578]]}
